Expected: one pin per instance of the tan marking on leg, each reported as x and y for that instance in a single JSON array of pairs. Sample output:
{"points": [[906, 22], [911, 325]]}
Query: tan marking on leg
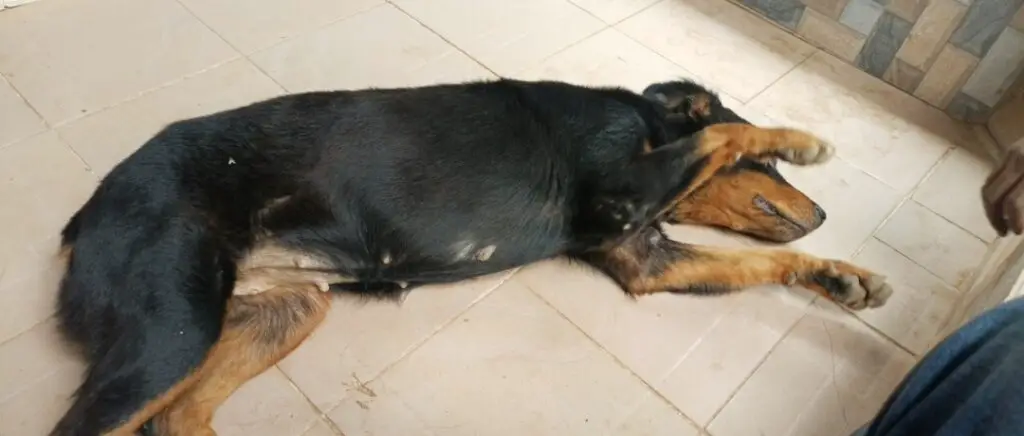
{"points": [[259, 330], [152, 408], [648, 264]]}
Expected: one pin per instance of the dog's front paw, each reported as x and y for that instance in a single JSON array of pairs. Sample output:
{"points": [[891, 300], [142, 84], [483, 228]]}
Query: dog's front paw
{"points": [[851, 286], [802, 148]]}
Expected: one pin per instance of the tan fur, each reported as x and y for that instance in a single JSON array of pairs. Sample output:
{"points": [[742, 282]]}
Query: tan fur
{"points": [[244, 352]]}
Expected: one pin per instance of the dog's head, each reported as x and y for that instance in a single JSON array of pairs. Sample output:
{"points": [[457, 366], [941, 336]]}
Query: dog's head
{"points": [[751, 197]]}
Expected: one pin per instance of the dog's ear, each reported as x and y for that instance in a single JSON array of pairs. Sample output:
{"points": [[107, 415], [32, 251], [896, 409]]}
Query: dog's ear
{"points": [[684, 99]]}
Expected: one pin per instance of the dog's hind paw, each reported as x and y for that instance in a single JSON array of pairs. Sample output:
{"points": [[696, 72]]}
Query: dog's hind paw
{"points": [[807, 149], [852, 290]]}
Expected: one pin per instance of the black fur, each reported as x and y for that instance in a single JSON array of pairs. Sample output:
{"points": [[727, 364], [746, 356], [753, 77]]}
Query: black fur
{"points": [[409, 174]]}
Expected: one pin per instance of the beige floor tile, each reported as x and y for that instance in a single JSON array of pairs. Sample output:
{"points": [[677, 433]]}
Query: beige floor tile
{"points": [[715, 367], [855, 202], [933, 242], [33, 356], [655, 417], [505, 36], [250, 25], [753, 116], [509, 366], [709, 37], [921, 303], [105, 138], [826, 377], [267, 405], [696, 351], [381, 47], [606, 59], [952, 191], [79, 57], [358, 339], [36, 410], [17, 119], [321, 428], [876, 127], [649, 335], [38, 374], [32, 298], [42, 183], [613, 11]]}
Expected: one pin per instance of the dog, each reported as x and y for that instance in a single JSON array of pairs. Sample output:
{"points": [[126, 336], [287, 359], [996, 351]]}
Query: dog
{"points": [[211, 252]]}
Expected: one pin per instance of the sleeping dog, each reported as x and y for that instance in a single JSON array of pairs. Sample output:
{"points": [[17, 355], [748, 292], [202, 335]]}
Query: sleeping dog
{"points": [[212, 251]]}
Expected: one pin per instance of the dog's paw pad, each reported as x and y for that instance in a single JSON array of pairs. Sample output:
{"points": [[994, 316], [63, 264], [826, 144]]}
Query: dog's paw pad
{"points": [[878, 290], [854, 291]]}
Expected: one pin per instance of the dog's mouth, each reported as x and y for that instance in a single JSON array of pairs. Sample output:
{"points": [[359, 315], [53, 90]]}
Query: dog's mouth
{"points": [[797, 228]]}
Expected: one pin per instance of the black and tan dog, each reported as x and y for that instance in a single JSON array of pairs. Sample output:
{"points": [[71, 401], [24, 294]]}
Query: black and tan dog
{"points": [[202, 259]]}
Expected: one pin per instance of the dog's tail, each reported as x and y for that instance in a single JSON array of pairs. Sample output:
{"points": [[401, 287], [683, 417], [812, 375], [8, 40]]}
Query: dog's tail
{"points": [[144, 294]]}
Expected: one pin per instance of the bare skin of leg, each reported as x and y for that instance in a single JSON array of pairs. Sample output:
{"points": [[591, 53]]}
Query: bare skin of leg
{"points": [[651, 263], [259, 330]]}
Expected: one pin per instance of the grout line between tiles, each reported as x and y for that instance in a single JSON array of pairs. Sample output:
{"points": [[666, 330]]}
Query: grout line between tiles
{"points": [[907, 197], [17, 92], [246, 56], [781, 76], [446, 40], [622, 364], [642, 10], [139, 94], [323, 414], [874, 236], [758, 366], [585, 11]]}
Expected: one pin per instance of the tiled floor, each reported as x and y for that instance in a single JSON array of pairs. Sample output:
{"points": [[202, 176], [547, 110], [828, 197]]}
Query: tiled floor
{"points": [[550, 349]]}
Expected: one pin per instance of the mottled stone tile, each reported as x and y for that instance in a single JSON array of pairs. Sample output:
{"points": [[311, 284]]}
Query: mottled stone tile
{"points": [[948, 73], [829, 35], [861, 15], [881, 46], [1018, 19], [984, 21], [964, 107], [784, 12], [906, 9], [930, 32], [903, 76], [828, 8], [998, 69], [1005, 124]]}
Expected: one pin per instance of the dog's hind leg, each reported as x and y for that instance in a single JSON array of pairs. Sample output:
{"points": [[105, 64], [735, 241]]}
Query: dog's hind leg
{"points": [[149, 304], [649, 262], [259, 330]]}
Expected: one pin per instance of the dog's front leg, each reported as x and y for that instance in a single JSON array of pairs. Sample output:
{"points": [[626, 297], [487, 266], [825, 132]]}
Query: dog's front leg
{"points": [[649, 262]]}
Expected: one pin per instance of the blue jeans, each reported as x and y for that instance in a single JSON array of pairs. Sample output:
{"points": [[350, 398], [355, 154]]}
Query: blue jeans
{"points": [[972, 383]]}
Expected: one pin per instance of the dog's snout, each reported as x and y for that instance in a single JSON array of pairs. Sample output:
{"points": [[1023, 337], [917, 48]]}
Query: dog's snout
{"points": [[819, 214]]}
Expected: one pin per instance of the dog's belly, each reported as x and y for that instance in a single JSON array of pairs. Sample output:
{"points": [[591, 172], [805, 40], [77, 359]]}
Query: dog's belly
{"points": [[453, 252]]}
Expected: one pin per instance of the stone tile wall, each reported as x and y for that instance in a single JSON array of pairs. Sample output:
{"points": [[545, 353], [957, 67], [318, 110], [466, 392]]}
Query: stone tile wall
{"points": [[962, 56]]}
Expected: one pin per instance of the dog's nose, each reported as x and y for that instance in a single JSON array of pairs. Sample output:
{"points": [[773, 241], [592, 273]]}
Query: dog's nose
{"points": [[819, 214]]}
